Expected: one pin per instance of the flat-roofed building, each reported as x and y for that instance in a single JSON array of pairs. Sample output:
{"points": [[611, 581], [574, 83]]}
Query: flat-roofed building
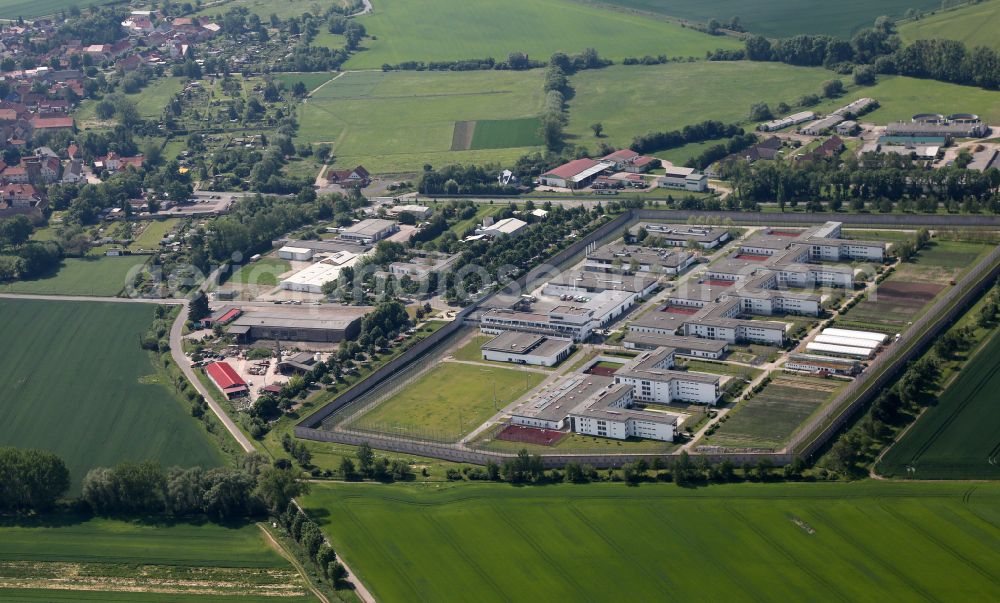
{"points": [[369, 231], [653, 380], [420, 212], [312, 278], [527, 348], [573, 282], [693, 347], [631, 259], [683, 178], [299, 254], [328, 323], [839, 350], [576, 319], [854, 342], [503, 228], [677, 235], [814, 363], [878, 337]]}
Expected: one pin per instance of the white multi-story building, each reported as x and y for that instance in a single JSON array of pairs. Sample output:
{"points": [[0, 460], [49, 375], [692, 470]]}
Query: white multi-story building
{"points": [[527, 348], [651, 376]]}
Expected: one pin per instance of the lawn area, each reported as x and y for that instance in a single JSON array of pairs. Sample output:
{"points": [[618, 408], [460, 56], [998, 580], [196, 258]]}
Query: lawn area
{"points": [[768, 420], [399, 121], [450, 30], [669, 97], [973, 24], [75, 382], [264, 272], [100, 276], [957, 437], [12, 9], [427, 409], [67, 557], [719, 368], [472, 349], [506, 133], [153, 99], [153, 233], [264, 8], [783, 18], [865, 541], [902, 97]]}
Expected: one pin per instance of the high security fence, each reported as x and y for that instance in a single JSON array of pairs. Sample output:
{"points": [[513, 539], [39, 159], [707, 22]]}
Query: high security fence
{"points": [[322, 425]]}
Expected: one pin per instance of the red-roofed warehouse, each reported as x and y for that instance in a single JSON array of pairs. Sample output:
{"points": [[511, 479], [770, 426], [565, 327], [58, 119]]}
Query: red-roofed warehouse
{"points": [[227, 379]]}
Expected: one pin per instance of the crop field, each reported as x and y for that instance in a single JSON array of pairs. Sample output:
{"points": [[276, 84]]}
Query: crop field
{"points": [[671, 96], [398, 121], [974, 24], [75, 558], [100, 276], [783, 18], [449, 30], [506, 133], [767, 420], [608, 542], [264, 272], [75, 382], [958, 437], [448, 401], [264, 8], [12, 9]]}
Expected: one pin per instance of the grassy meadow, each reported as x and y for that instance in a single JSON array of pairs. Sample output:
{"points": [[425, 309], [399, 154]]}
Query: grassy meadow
{"points": [[974, 24], [70, 558], [397, 122], [902, 97], [449, 401], [265, 8], [633, 100], [12, 9], [783, 18], [75, 382], [264, 272], [448, 30], [749, 542], [98, 276]]}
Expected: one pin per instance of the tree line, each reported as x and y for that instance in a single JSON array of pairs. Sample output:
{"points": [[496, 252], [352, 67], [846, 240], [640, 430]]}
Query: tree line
{"points": [[700, 132]]}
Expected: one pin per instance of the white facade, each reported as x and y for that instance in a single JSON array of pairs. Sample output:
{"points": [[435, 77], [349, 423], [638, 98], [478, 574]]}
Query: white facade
{"points": [[839, 350], [299, 254], [683, 178]]}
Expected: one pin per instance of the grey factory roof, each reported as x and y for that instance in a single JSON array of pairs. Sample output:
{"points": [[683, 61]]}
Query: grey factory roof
{"points": [[677, 342], [642, 255], [332, 317], [524, 343]]}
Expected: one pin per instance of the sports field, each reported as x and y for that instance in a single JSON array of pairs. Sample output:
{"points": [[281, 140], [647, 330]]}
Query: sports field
{"points": [[100, 276], [75, 382], [264, 272], [767, 420], [866, 541], [959, 437], [66, 557], [974, 24], [449, 30], [783, 18], [449, 401], [394, 122], [669, 97]]}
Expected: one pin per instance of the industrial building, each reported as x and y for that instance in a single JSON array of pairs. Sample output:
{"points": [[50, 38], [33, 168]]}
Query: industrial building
{"points": [[573, 319], [229, 382], [369, 231], [786, 122], [502, 228], [420, 212], [822, 126], [576, 174], [812, 363], [839, 350], [683, 178], [312, 278], [298, 254], [328, 323], [577, 282], [527, 348]]}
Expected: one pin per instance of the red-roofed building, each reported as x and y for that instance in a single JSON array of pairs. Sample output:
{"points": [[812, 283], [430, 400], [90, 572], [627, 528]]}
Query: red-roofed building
{"points": [[578, 173], [21, 196], [627, 160], [227, 380], [113, 162], [356, 178], [52, 123]]}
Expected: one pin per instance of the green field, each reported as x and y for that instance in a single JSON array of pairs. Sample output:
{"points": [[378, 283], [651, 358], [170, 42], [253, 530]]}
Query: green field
{"points": [[102, 559], [154, 98], [311, 80], [101, 276], [506, 133], [783, 18], [12, 9], [472, 350], [449, 401], [902, 97], [75, 382], [669, 97], [767, 420], [449, 30], [958, 437], [264, 272], [788, 542], [395, 122], [975, 25], [265, 8]]}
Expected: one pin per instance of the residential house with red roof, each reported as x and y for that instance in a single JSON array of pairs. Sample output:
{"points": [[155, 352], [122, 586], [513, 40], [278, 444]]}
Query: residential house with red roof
{"points": [[356, 178]]}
